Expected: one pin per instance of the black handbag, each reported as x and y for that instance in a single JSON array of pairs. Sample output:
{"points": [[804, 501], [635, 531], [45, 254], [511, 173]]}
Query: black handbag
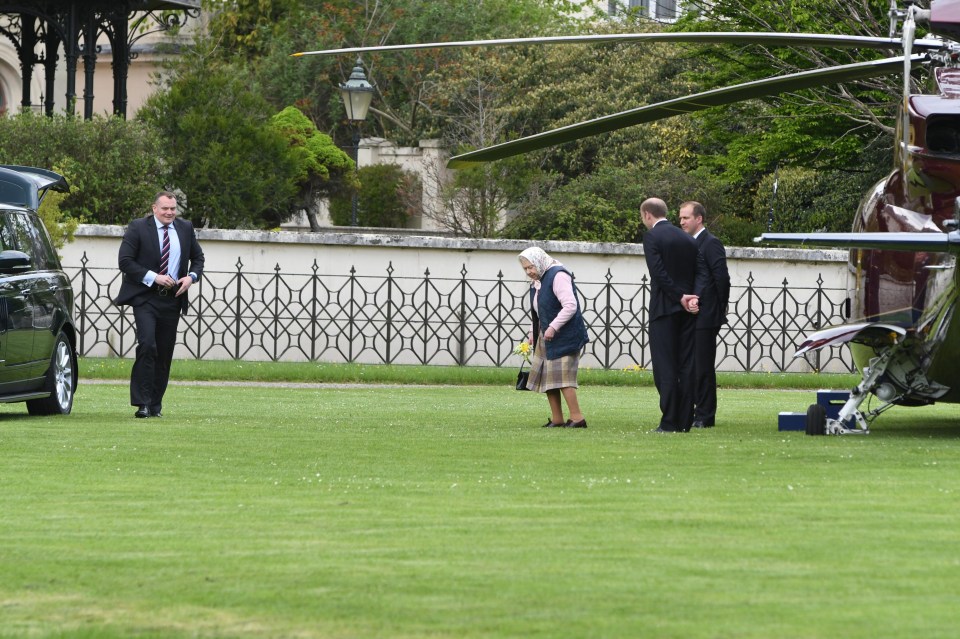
{"points": [[522, 377]]}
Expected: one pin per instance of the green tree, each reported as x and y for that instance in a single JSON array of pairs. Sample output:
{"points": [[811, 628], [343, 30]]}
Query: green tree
{"points": [[827, 127], [827, 144], [472, 200], [388, 196], [321, 166], [556, 86], [409, 104], [234, 169]]}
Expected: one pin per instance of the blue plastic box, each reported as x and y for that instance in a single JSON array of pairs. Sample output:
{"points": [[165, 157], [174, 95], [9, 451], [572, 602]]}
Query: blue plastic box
{"points": [[832, 401], [792, 421]]}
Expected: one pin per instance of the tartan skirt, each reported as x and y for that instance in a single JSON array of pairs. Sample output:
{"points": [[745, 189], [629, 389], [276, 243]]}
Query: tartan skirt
{"points": [[551, 374]]}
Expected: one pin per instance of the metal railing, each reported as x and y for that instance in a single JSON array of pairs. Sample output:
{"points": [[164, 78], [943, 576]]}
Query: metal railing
{"points": [[443, 320]]}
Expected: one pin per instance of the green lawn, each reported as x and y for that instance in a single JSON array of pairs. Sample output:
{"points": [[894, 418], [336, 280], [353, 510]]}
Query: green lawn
{"points": [[317, 372], [448, 512]]}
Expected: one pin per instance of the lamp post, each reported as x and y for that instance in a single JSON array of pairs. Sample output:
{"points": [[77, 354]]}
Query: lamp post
{"points": [[357, 94]]}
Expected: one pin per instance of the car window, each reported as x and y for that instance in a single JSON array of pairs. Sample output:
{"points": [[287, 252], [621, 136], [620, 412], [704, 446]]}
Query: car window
{"points": [[13, 193], [43, 244], [6, 236], [32, 239]]}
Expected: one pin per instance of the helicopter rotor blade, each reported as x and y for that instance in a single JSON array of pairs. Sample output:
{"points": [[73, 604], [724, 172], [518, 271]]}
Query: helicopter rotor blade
{"points": [[888, 241], [697, 37], [688, 104]]}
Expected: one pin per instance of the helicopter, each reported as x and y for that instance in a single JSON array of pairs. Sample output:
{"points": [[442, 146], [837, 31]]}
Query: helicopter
{"points": [[906, 232]]}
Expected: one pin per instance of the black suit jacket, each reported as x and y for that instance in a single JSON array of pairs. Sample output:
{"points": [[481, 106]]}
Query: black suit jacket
{"points": [[715, 293], [140, 252], [671, 257]]}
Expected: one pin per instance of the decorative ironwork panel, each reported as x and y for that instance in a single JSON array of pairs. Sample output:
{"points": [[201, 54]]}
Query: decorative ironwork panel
{"points": [[461, 320]]}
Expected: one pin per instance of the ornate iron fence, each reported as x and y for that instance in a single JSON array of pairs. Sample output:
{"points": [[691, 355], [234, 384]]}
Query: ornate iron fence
{"points": [[443, 320]]}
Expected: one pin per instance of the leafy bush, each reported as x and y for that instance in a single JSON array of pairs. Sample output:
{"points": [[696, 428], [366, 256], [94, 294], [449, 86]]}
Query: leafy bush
{"points": [[114, 166], [60, 226], [385, 197], [600, 207], [811, 200], [736, 231], [604, 206]]}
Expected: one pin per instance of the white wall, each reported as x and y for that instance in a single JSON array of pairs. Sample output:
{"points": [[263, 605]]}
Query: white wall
{"points": [[410, 256]]}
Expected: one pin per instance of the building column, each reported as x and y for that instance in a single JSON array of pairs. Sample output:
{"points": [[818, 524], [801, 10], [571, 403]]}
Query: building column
{"points": [[90, 29], [28, 43]]}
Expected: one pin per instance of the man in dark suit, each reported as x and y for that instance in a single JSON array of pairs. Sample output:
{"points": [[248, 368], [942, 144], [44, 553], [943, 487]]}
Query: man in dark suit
{"points": [[713, 312], [160, 259], [671, 257]]}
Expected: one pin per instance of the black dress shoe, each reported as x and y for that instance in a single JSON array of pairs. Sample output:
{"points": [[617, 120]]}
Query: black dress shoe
{"points": [[155, 413], [661, 429], [142, 412], [702, 424], [572, 424], [550, 424]]}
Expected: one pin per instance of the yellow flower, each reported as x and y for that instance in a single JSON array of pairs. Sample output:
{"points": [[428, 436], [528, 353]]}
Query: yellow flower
{"points": [[523, 350]]}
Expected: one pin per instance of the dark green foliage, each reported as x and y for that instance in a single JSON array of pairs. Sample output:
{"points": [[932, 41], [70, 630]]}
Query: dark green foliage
{"points": [[824, 128], [114, 166], [811, 200], [599, 207], [604, 206], [736, 231], [563, 85], [235, 170], [385, 198], [408, 106]]}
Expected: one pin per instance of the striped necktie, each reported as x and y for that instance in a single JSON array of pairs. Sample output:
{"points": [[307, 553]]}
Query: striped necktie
{"points": [[165, 250]]}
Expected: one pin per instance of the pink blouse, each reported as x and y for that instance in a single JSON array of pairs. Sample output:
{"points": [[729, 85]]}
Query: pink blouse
{"points": [[563, 289]]}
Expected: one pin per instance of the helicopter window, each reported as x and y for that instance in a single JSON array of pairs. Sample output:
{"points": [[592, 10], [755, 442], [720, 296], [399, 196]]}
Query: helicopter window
{"points": [[943, 135]]}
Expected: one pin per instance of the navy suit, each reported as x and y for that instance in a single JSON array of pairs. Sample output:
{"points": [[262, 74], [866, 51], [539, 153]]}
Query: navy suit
{"points": [[671, 257], [714, 297], [156, 315]]}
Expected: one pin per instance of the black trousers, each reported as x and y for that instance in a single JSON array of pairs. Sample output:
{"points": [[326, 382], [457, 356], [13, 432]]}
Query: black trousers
{"points": [[705, 354], [671, 349], [157, 320]]}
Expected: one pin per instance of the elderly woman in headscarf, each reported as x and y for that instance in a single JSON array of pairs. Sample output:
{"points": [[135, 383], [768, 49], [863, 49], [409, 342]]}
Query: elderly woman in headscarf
{"points": [[558, 335]]}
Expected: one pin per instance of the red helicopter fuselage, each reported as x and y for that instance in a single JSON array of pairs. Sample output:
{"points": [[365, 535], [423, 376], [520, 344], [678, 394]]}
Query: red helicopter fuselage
{"points": [[916, 289]]}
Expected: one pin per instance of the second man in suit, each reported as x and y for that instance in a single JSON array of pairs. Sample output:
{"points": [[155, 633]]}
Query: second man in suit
{"points": [[714, 297]]}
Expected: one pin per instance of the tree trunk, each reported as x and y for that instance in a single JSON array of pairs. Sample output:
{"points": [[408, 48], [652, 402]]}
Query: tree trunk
{"points": [[311, 211]]}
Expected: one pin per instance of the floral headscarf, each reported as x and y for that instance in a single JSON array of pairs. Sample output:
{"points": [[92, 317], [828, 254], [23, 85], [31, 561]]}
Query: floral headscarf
{"points": [[539, 258]]}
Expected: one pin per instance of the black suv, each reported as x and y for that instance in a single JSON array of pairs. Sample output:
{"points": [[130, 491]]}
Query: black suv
{"points": [[38, 354]]}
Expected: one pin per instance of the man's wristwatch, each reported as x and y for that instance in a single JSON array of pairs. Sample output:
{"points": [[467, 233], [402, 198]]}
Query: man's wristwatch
{"points": [[194, 278]]}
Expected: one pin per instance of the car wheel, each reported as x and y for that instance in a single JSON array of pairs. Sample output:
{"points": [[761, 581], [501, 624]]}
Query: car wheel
{"points": [[61, 382], [816, 420]]}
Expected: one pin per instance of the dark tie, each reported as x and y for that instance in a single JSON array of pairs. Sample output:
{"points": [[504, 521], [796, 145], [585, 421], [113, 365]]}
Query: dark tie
{"points": [[165, 250]]}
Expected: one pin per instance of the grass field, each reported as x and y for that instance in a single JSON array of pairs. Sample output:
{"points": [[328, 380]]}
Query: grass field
{"points": [[314, 372], [448, 512]]}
